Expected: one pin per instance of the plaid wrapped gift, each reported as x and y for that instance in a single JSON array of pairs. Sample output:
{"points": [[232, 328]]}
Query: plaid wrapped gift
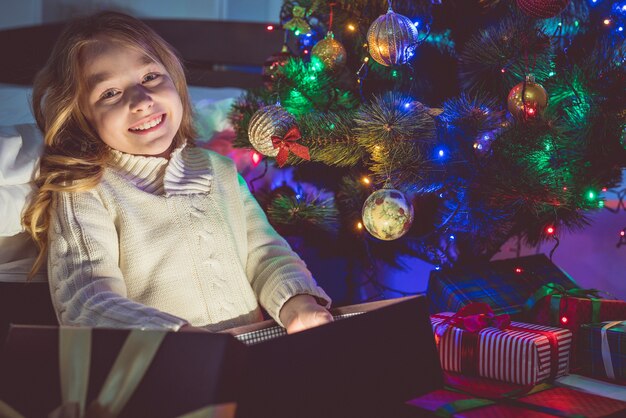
{"points": [[572, 312], [505, 285], [484, 398], [602, 350], [522, 353]]}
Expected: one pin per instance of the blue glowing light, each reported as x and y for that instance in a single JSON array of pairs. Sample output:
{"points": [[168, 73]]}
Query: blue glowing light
{"points": [[441, 153], [406, 105], [437, 267], [452, 237]]}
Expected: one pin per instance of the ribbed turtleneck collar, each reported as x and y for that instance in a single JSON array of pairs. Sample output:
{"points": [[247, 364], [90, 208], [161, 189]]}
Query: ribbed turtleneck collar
{"points": [[188, 171]]}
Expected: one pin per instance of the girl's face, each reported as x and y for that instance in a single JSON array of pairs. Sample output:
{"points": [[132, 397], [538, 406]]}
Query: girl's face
{"points": [[130, 100]]}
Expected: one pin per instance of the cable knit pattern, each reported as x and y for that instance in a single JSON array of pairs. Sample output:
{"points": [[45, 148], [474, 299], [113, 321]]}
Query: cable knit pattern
{"points": [[158, 244]]}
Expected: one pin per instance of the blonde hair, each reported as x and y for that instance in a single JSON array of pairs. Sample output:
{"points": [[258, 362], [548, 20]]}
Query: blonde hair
{"points": [[74, 157]]}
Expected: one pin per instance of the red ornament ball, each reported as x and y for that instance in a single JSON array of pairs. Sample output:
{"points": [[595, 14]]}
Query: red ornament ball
{"points": [[542, 9]]}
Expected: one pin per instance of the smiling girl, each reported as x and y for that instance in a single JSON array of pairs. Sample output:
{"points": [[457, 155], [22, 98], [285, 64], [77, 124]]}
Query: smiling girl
{"points": [[140, 228]]}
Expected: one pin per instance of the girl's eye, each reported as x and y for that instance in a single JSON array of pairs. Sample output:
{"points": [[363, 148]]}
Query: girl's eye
{"points": [[150, 77], [108, 94]]}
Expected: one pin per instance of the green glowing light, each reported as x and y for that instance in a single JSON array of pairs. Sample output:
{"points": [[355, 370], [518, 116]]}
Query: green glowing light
{"points": [[297, 32], [551, 74], [394, 73], [601, 204], [591, 195]]}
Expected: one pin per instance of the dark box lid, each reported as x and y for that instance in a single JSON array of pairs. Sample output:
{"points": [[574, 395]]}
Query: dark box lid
{"points": [[360, 366]]}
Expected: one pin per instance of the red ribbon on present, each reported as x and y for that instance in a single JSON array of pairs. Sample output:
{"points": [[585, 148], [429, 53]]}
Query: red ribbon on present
{"points": [[288, 143], [477, 316]]}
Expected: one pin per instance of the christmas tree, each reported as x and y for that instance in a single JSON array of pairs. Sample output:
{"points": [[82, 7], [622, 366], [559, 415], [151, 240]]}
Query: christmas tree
{"points": [[439, 128]]}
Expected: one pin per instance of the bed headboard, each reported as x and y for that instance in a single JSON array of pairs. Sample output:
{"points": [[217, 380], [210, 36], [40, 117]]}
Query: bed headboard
{"points": [[215, 53]]}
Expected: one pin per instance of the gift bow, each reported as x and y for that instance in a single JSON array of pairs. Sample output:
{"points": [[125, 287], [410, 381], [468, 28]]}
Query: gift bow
{"points": [[477, 316], [126, 373], [288, 143]]}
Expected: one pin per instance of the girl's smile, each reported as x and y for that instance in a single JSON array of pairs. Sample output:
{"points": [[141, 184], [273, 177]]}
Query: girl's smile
{"points": [[149, 124]]}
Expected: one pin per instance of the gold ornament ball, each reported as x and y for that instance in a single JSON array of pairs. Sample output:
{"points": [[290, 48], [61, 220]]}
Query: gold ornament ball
{"points": [[527, 99], [266, 122], [392, 39], [330, 52]]}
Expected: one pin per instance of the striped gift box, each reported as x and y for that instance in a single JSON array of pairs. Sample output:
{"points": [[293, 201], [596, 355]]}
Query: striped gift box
{"points": [[524, 354]]}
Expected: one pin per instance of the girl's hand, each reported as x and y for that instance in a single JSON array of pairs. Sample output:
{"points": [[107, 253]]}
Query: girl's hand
{"points": [[303, 312]]}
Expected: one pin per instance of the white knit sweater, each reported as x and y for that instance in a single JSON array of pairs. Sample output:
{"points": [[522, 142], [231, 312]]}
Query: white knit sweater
{"points": [[159, 244]]}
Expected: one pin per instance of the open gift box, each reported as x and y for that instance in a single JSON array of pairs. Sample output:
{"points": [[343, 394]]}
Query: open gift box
{"points": [[362, 365]]}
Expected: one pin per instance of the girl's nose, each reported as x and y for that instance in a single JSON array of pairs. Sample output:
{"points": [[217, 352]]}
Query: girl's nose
{"points": [[140, 99]]}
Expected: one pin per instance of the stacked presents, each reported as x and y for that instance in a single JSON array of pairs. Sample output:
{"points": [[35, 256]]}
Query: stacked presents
{"points": [[511, 328]]}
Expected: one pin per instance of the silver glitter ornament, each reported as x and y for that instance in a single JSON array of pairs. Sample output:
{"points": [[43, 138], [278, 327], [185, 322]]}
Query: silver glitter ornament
{"points": [[266, 122]]}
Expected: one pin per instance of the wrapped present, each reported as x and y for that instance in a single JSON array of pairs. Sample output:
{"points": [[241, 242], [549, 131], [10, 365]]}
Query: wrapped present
{"points": [[317, 372], [77, 372], [484, 398], [602, 350], [475, 341], [556, 306], [505, 285], [553, 305]]}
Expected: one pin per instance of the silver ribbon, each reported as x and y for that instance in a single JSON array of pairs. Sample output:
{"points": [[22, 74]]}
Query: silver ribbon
{"points": [[606, 350]]}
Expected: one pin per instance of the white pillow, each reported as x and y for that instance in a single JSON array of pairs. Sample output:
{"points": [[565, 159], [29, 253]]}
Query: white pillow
{"points": [[20, 149], [12, 202]]}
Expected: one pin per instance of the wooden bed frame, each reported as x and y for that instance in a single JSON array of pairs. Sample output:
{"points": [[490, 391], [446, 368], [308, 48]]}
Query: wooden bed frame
{"points": [[215, 53]]}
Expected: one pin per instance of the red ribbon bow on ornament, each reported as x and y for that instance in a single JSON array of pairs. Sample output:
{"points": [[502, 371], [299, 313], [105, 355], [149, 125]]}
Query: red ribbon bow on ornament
{"points": [[288, 143], [477, 316]]}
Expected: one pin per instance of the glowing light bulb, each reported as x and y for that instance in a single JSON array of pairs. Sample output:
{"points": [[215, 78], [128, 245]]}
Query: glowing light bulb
{"points": [[359, 226], [564, 320], [550, 230], [622, 233], [518, 270], [256, 158], [351, 27], [607, 22], [365, 180], [441, 153]]}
